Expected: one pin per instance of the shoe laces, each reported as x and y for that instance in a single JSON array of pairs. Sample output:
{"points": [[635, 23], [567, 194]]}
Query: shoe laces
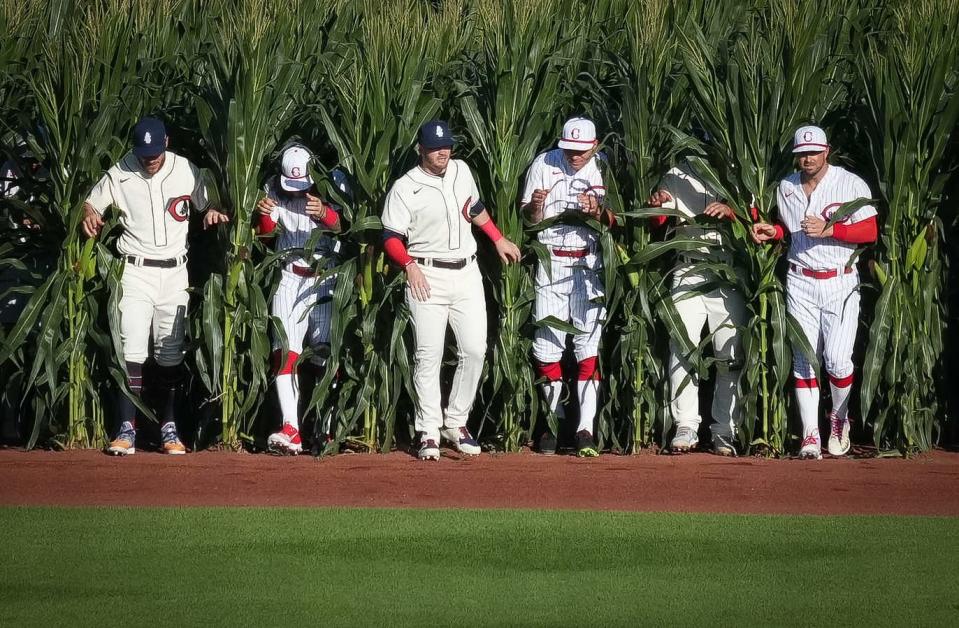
{"points": [[289, 430], [835, 426], [170, 436], [811, 439], [685, 432]]}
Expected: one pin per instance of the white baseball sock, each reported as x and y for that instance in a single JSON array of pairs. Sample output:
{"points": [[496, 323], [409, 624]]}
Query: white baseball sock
{"points": [[588, 393], [807, 398], [286, 390], [553, 394], [841, 388]]}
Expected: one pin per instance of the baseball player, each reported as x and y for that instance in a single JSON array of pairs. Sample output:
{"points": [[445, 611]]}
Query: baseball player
{"points": [[822, 284], [302, 302], [566, 182], [427, 220], [720, 308], [152, 189]]}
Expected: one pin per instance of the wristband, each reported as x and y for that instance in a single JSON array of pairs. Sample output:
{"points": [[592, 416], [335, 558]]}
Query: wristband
{"points": [[489, 228]]}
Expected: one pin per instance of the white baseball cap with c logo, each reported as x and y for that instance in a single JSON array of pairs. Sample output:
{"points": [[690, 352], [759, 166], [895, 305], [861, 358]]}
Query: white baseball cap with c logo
{"points": [[809, 139]]}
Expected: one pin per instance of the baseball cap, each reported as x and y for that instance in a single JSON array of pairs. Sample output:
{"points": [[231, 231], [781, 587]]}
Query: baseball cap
{"points": [[578, 134], [295, 169], [436, 134], [809, 139], [149, 138]]}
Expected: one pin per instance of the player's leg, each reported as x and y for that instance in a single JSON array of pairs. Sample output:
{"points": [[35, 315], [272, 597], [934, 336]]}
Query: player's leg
{"points": [[321, 319], [468, 319], [169, 327], [840, 321], [429, 319], [587, 313], [802, 303], [727, 316], [552, 299], [291, 305], [136, 313], [683, 380]]}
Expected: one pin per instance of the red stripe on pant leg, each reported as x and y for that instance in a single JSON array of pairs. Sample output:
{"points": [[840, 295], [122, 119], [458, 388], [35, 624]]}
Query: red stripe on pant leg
{"points": [[281, 367], [806, 383], [587, 369], [552, 371], [841, 382]]}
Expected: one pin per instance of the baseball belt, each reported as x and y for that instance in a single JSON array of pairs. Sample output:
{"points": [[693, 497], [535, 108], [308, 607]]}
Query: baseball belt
{"points": [[818, 274], [136, 260], [570, 252], [302, 271], [449, 264]]}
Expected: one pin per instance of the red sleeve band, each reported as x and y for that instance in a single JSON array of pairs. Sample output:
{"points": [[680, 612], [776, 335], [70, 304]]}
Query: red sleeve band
{"points": [[396, 251], [780, 232], [330, 218], [658, 221], [265, 223], [862, 232], [491, 231]]}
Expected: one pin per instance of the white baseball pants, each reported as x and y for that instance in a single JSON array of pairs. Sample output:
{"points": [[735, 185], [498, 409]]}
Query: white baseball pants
{"points": [[304, 306], [827, 310], [722, 310], [456, 299], [153, 300], [568, 293]]}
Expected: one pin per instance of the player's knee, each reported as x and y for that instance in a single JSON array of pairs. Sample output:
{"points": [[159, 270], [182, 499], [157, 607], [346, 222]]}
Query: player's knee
{"points": [[284, 362], [588, 369], [838, 367], [552, 371], [841, 381]]}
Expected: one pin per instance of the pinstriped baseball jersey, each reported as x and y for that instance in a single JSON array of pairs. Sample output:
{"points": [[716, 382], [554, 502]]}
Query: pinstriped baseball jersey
{"points": [[431, 211], [154, 211], [550, 171], [837, 187], [296, 226]]}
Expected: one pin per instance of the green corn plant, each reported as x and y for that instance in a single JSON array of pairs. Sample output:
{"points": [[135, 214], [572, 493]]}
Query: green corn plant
{"points": [[650, 95], [246, 80], [909, 77], [374, 84], [754, 80], [512, 97]]}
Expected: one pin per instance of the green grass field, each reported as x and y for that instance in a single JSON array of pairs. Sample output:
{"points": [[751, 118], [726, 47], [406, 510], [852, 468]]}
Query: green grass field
{"points": [[65, 566]]}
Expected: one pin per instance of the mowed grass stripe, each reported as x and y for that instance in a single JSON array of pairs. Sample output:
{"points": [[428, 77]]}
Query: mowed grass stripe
{"points": [[442, 567]]}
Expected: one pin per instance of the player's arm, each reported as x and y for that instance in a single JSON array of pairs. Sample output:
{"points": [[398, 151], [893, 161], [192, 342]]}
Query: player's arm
{"points": [[533, 202], [100, 198], [323, 213], [862, 228], [763, 232], [508, 252], [394, 244]]}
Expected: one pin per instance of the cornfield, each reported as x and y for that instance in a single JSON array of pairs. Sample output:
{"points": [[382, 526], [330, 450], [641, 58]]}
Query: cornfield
{"points": [[236, 81]]}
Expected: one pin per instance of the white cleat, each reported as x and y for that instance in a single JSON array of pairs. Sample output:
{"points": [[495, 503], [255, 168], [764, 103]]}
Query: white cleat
{"points": [[811, 447], [839, 444]]}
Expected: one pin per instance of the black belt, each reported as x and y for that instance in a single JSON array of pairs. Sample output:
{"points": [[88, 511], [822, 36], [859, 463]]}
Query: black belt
{"points": [[154, 263], [449, 264]]}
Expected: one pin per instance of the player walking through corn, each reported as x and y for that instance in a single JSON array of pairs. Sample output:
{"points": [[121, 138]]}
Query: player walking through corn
{"points": [[822, 292], [303, 300], [427, 222], [152, 190], [701, 297], [566, 182]]}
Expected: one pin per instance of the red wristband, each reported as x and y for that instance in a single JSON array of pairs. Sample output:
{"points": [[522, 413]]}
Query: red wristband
{"points": [[330, 218], [780, 232], [265, 224], [396, 251], [489, 228]]}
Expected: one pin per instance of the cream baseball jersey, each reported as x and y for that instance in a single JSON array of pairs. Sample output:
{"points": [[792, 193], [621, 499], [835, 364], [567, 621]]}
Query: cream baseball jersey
{"points": [[691, 197], [837, 187], [296, 227], [154, 211], [550, 171], [431, 211]]}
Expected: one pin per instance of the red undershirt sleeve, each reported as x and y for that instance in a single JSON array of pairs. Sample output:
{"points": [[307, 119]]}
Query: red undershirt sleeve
{"points": [[862, 232], [396, 251]]}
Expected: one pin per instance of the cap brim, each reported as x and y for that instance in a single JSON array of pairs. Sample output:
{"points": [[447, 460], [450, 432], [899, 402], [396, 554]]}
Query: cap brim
{"points": [[296, 185], [148, 151], [810, 147], [439, 144], [576, 144]]}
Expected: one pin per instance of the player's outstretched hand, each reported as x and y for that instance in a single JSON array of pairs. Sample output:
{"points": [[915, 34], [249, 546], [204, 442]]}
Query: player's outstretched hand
{"points": [[508, 252], [315, 207], [213, 218], [762, 232], [539, 199], [417, 283], [719, 210], [659, 198], [815, 227], [92, 222], [266, 205]]}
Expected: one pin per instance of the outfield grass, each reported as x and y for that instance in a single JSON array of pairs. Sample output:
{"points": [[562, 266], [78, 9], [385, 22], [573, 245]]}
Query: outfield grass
{"points": [[425, 567]]}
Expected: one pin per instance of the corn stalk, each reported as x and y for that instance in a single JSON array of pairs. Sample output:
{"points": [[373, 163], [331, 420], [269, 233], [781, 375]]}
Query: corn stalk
{"points": [[909, 76]]}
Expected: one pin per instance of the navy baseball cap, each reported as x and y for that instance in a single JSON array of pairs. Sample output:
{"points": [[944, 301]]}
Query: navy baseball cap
{"points": [[436, 134], [149, 138]]}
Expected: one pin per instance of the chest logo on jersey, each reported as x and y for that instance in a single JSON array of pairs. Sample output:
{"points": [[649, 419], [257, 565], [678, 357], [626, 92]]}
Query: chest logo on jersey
{"points": [[830, 209], [179, 208]]}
